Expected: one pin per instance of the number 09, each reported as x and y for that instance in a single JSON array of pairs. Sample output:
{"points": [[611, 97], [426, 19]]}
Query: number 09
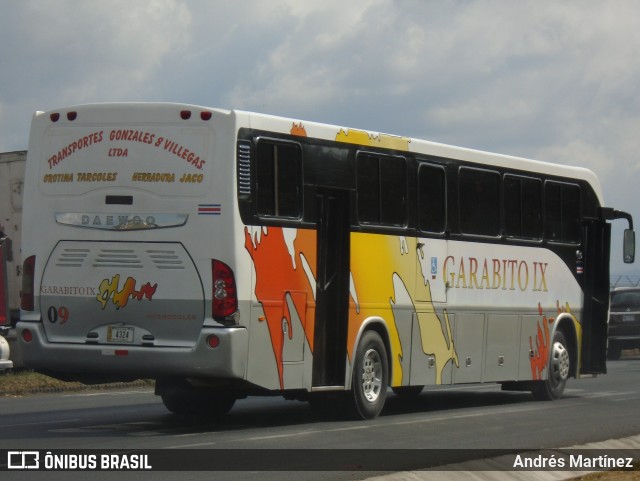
{"points": [[60, 313]]}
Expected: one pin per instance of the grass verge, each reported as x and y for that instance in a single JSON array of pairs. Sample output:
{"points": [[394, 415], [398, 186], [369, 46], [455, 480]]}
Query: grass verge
{"points": [[26, 382], [631, 475]]}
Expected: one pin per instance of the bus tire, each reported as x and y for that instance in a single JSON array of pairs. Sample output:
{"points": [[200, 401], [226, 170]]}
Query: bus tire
{"points": [[558, 371], [370, 376]]}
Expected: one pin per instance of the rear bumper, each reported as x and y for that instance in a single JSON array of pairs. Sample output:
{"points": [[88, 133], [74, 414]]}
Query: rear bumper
{"points": [[227, 361]]}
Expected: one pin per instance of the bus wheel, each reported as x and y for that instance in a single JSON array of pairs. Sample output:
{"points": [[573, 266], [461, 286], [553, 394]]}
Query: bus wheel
{"points": [[559, 369], [370, 376]]}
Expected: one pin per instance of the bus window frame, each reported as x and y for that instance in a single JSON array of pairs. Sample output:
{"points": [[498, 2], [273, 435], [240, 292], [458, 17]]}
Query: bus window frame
{"points": [[562, 242], [300, 181], [380, 224], [522, 239], [419, 204], [499, 209]]}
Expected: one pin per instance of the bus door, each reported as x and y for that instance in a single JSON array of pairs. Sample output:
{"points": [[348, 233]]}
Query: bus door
{"points": [[595, 309], [332, 289]]}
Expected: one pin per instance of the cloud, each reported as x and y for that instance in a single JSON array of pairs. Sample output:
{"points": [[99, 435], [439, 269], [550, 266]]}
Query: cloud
{"points": [[63, 52], [105, 48]]}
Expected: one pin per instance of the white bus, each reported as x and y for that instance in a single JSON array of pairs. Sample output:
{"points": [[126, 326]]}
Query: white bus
{"points": [[226, 254]]}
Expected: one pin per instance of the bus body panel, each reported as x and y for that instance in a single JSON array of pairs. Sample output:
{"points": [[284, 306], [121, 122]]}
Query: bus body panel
{"points": [[129, 207], [283, 313], [495, 321], [129, 293]]}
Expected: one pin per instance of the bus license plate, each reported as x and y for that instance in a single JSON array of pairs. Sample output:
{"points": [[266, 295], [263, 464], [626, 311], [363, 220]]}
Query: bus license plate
{"points": [[120, 334], [628, 318]]}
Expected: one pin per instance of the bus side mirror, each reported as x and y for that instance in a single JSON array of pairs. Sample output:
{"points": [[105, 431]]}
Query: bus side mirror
{"points": [[629, 246]]}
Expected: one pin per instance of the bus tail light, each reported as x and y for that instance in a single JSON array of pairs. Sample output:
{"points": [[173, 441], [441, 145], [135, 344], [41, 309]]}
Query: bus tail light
{"points": [[28, 273], [225, 295]]}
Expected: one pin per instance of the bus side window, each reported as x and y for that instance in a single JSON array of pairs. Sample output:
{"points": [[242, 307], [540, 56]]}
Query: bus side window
{"points": [[562, 211], [279, 179], [553, 211], [523, 207], [571, 216], [479, 201], [432, 209], [382, 189], [368, 189]]}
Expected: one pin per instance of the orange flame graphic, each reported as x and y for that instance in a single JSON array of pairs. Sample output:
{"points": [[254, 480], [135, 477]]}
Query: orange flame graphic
{"points": [[109, 289], [278, 274], [541, 352], [299, 130]]}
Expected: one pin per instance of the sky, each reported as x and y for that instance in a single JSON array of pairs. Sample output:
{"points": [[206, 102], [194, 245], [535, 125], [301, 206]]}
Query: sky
{"points": [[550, 80]]}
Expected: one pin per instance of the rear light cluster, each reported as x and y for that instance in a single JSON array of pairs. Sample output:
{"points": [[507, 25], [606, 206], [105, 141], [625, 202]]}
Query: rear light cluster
{"points": [[27, 294], [225, 294]]}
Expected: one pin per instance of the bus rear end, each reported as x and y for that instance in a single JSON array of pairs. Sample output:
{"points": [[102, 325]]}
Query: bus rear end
{"points": [[128, 254]]}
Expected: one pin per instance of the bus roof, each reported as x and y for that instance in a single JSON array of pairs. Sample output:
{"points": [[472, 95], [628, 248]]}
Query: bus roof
{"points": [[428, 148], [111, 111]]}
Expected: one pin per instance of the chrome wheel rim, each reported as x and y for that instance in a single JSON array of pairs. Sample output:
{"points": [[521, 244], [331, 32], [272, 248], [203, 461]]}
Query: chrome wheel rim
{"points": [[559, 364], [371, 375]]}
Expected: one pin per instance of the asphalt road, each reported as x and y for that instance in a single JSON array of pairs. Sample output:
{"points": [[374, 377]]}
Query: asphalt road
{"points": [[463, 419]]}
